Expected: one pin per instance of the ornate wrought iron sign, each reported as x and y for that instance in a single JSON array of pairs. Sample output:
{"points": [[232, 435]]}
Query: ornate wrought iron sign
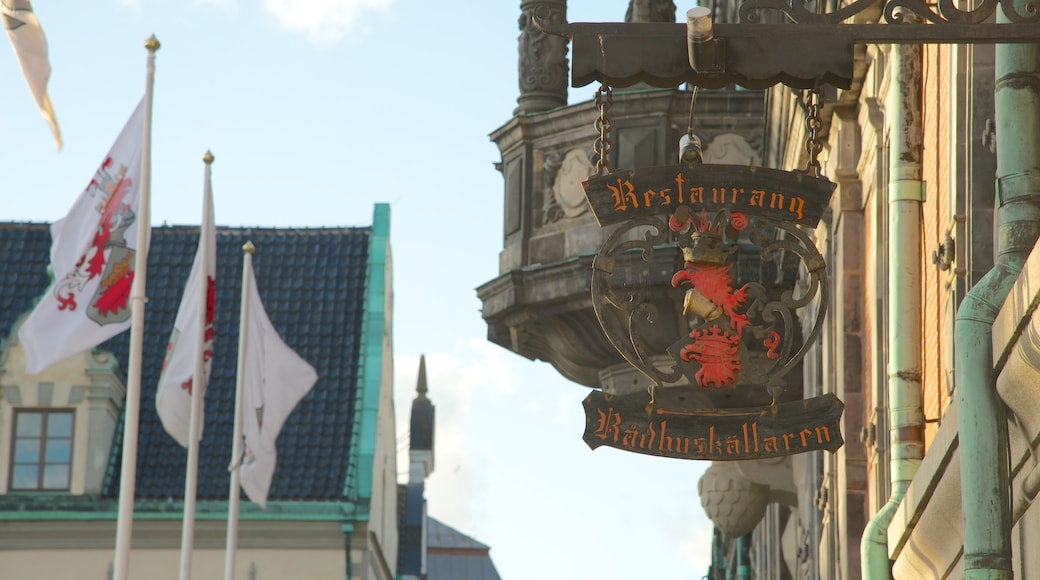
{"points": [[738, 336]]}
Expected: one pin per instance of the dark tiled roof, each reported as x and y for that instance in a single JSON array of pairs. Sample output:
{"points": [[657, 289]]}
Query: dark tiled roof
{"points": [[441, 535], [24, 255], [452, 555], [312, 285]]}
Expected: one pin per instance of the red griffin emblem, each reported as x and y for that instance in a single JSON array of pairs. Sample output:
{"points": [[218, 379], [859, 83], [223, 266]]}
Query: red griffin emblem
{"points": [[107, 260], [715, 344]]}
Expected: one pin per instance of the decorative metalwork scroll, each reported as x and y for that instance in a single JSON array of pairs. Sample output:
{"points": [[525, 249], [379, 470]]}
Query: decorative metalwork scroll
{"points": [[948, 12], [895, 11]]}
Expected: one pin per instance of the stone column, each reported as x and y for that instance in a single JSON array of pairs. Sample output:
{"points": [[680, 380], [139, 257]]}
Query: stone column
{"points": [[543, 57], [650, 11]]}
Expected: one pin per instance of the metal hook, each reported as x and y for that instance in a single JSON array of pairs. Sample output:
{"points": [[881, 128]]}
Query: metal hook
{"points": [[774, 392], [653, 399], [690, 151], [693, 103]]}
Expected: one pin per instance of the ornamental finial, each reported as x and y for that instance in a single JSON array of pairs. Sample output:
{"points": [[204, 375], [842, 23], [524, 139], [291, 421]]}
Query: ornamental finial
{"points": [[152, 44]]}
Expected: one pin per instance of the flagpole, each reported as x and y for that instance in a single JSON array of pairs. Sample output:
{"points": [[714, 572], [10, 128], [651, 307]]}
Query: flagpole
{"points": [[128, 475], [236, 438], [198, 380]]}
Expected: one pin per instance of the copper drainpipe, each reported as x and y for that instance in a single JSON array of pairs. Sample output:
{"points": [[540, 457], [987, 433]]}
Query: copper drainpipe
{"points": [[982, 416], [905, 401]]}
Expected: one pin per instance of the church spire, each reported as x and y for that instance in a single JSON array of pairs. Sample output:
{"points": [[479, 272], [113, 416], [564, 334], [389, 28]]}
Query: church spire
{"points": [[420, 384], [421, 432]]}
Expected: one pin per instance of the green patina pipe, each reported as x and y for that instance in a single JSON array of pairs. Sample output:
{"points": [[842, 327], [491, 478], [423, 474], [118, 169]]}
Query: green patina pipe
{"points": [[743, 565], [905, 195], [982, 416], [718, 569]]}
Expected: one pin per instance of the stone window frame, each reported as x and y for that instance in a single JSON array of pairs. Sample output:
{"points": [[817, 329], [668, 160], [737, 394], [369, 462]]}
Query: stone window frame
{"points": [[41, 457]]}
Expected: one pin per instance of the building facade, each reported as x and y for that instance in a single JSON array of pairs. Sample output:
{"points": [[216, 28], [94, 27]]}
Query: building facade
{"points": [[929, 243], [332, 507]]}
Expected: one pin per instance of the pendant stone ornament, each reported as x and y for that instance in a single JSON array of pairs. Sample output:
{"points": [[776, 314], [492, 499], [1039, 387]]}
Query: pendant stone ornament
{"points": [[750, 294]]}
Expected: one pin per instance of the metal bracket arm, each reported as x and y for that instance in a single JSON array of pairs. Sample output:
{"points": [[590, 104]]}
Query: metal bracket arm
{"points": [[752, 55]]}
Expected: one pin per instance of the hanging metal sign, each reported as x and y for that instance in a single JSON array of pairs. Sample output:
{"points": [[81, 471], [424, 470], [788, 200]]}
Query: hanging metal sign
{"points": [[718, 434], [791, 196], [740, 337]]}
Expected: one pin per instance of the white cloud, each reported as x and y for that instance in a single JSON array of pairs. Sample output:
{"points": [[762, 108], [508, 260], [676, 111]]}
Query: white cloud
{"points": [[458, 380], [133, 5], [216, 3], [509, 457], [695, 545], [324, 21]]}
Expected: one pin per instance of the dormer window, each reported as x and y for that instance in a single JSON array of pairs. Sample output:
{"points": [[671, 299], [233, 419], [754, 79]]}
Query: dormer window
{"points": [[41, 450]]}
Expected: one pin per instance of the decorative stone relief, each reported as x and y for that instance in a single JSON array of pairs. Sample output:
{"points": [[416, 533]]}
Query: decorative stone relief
{"points": [[44, 393], [77, 395], [543, 58], [730, 149], [564, 173], [13, 395], [551, 210]]}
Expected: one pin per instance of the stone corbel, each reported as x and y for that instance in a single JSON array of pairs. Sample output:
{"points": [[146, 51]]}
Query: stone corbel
{"points": [[735, 494]]}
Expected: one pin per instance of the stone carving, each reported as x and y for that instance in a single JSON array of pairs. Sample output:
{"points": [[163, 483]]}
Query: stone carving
{"points": [[551, 210], [734, 504], [650, 11], [730, 149], [564, 173], [543, 58]]}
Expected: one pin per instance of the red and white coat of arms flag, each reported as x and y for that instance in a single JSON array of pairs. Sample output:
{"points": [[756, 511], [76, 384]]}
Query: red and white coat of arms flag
{"points": [[92, 260], [173, 400]]}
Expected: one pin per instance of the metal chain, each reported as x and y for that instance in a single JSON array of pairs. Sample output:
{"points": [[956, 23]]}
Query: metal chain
{"points": [[602, 146], [812, 131]]}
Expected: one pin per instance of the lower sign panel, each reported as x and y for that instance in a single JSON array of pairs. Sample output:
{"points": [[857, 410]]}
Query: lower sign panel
{"points": [[622, 422]]}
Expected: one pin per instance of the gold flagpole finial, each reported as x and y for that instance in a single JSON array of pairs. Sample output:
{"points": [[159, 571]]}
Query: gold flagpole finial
{"points": [[207, 157], [152, 44], [248, 247]]}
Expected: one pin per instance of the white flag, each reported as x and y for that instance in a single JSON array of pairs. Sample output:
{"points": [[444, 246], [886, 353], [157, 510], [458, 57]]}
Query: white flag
{"points": [[92, 260], [276, 378], [30, 46], [173, 400]]}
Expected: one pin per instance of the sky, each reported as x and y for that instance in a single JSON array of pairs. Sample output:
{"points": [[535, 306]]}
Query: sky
{"points": [[315, 110]]}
